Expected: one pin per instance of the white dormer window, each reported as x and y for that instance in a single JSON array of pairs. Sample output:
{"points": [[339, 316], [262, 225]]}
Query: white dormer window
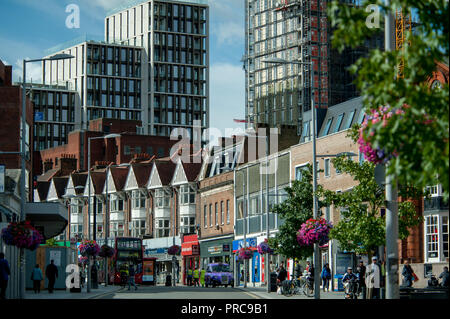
{"points": [[187, 194], [116, 203], [138, 199]]}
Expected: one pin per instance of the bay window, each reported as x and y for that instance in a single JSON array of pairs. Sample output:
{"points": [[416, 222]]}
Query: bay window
{"points": [[138, 227], [116, 203], [162, 227], [162, 198], [436, 238], [187, 225], [138, 199], [187, 195]]}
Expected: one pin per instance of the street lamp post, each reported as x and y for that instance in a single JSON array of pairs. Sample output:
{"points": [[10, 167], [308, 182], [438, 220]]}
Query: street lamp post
{"points": [[23, 153], [313, 120], [88, 210]]}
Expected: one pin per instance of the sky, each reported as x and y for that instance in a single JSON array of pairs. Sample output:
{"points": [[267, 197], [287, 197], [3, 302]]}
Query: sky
{"points": [[29, 27]]}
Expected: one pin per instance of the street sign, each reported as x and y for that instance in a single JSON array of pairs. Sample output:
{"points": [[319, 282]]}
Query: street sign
{"points": [[38, 116], [2, 178]]}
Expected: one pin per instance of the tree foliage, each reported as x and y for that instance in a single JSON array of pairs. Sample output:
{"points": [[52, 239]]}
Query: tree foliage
{"points": [[421, 136], [295, 211], [362, 228]]}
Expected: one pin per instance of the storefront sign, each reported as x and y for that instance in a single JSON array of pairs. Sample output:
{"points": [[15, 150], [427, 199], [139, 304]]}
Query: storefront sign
{"points": [[148, 270], [188, 249], [251, 243], [215, 249]]}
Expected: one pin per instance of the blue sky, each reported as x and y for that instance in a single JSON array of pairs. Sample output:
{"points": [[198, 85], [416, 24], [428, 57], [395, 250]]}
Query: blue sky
{"points": [[29, 27]]}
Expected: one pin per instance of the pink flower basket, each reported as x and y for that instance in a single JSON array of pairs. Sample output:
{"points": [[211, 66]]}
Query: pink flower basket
{"points": [[245, 253], [22, 235], [314, 231]]}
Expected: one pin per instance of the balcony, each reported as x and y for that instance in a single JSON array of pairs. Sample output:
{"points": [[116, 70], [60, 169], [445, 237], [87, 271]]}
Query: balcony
{"points": [[435, 204]]}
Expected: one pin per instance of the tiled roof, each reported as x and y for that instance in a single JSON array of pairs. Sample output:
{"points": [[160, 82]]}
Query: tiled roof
{"points": [[142, 173], [166, 169], [79, 179], [119, 175], [98, 180], [42, 189], [60, 185], [47, 176], [192, 170]]}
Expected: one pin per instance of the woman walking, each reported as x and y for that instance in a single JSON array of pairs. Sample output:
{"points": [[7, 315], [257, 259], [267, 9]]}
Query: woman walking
{"points": [[36, 276], [326, 277]]}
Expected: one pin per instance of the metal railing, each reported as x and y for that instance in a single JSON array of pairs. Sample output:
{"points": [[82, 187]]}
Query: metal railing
{"points": [[435, 203]]}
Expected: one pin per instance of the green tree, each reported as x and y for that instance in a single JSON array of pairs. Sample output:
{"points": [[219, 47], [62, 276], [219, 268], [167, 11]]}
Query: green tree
{"points": [[362, 228], [295, 211], [420, 136]]}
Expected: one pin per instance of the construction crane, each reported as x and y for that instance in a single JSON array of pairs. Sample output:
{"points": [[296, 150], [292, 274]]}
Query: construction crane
{"points": [[402, 25]]}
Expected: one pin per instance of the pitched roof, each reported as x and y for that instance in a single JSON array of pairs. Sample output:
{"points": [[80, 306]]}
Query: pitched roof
{"points": [[98, 180], [119, 175], [60, 185], [79, 179], [142, 173], [192, 170], [42, 190], [47, 176], [166, 169]]}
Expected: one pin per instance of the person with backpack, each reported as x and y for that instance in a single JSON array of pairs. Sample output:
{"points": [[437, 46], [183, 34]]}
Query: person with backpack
{"points": [[36, 277], [326, 277]]}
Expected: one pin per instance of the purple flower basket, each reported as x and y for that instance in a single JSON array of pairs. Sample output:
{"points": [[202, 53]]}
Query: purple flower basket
{"points": [[314, 231]]}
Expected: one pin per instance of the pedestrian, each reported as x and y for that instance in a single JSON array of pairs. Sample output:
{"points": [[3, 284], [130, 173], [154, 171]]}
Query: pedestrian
{"points": [[36, 277], [82, 276], [202, 277], [51, 272], [408, 274], [282, 273], [298, 269], [189, 276], [242, 275], [361, 273], [444, 276], [131, 273], [373, 275], [5, 272], [308, 265], [326, 277], [196, 276]]}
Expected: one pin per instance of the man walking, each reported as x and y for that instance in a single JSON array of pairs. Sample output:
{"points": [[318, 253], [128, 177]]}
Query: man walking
{"points": [[196, 276], [373, 279], [51, 272], [131, 274], [5, 272], [361, 273]]}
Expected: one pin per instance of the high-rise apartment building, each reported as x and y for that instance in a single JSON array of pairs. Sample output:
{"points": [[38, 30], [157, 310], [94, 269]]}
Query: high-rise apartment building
{"points": [[175, 68], [152, 66], [293, 30]]}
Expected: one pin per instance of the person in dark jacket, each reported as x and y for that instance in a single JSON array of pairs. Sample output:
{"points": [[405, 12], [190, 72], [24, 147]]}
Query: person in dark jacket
{"points": [[282, 273], [444, 276], [5, 272], [131, 274], [407, 274], [361, 273], [36, 276], [51, 272], [326, 277]]}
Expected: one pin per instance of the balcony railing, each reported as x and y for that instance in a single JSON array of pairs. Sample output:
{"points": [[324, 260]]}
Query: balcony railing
{"points": [[435, 203]]}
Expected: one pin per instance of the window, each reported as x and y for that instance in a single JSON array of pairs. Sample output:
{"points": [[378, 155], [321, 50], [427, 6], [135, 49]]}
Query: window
{"points": [[162, 226], [254, 203], [210, 215], [216, 215], [298, 172], [327, 127], [138, 199], [126, 150], [444, 230], [222, 212], [338, 123], [138, 227], [350, 120], [228, 211], [432, 236], [205, 220], [116, 203], [327, 167], [187, 194], [162, 198]]}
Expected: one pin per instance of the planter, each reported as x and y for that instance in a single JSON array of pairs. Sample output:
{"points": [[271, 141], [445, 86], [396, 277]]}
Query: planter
{"points": [[314, 231], [22, 235], [264, 248], [89, 248], [106, 251], [174, 250], [245, 253]]}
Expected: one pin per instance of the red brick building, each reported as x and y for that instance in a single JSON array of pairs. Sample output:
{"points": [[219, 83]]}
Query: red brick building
{"points": [[10, 130]]}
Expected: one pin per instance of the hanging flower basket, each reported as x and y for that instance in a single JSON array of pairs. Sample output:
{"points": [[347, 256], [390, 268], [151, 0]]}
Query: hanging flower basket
{"points": [[106, 251], [314, 231], [264, 248], [89, 248], [22, 235], [174, 250], [245, 253]]}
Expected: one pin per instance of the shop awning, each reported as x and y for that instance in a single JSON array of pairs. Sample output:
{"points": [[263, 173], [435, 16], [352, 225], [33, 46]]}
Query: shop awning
{"points": [[51, 218]]}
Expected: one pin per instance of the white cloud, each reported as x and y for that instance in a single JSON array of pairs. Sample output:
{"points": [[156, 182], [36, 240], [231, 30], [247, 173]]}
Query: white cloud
{"points": [[33, 71]]}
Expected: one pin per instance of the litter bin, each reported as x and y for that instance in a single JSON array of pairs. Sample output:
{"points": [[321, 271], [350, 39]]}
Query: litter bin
{"points": [[273, 282], [169, 280]]}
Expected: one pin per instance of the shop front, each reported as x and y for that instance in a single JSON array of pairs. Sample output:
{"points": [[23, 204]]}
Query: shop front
{"points": [[216, 250], [163, 264], [253, 264], [190, 252]]}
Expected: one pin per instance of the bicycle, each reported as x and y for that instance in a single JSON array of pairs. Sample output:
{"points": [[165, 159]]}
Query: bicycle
{"points": [[307, 286]]}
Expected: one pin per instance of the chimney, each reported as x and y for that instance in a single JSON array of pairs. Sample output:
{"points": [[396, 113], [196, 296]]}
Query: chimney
{"points": [[48, 165], [67, 164]]}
